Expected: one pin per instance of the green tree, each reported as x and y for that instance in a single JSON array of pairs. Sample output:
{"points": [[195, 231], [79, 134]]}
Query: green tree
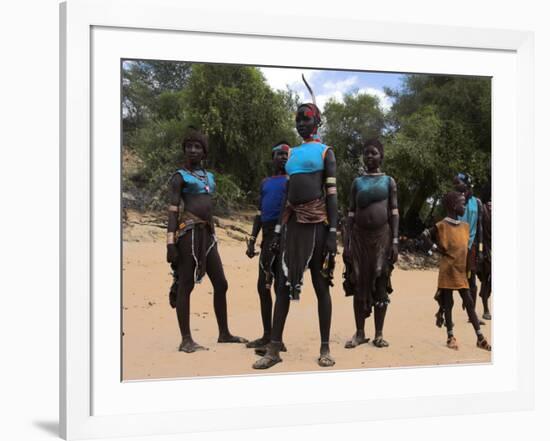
{"points": [[144, 84], [439, 125], [242, 116]]}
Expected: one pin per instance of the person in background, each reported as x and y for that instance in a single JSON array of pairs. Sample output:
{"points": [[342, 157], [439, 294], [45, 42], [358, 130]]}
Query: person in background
{"points": [[272, 195], [484, 269], [462, 183], [451, 235]]}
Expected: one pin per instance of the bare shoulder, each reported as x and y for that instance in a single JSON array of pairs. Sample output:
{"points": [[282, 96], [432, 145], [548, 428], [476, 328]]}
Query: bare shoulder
{"points": [[329, 153], [176, 181]]}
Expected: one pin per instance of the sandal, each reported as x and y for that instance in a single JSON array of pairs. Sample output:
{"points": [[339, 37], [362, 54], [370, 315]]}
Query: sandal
{"points": [[452, 344], [325, 360], [262, 350], [258, 343], [356, 341], [483, 344], [379, 342], [267, 361], [231, 339]]}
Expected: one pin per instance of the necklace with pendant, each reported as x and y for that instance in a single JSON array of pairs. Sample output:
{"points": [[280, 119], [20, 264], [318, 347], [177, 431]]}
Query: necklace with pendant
{"points": [[202, 178]]}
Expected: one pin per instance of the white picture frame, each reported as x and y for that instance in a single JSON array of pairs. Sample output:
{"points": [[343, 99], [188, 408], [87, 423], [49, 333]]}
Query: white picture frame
{"points": [[87, 409]]}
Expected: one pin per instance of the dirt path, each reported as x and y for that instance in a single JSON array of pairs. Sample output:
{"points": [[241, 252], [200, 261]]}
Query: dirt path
{"points": [[151, 335]]}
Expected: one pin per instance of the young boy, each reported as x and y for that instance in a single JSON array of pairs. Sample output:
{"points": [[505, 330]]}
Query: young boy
{"points": [[451, 237]]}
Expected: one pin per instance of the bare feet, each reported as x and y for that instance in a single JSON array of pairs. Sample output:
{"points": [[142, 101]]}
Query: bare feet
{"points": [[357, 339], [452, 344], [188, 345], [228, 338]]}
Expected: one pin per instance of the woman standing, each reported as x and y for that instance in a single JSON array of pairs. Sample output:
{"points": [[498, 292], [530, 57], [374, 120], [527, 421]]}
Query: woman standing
{"points": [[371, 244], [191, 242]]}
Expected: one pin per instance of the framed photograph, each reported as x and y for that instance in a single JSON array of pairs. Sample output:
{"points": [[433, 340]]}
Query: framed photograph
{"points": [[121, 371]]}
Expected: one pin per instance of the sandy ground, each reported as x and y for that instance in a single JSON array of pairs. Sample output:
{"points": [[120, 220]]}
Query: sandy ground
{"points": [[151, 334]]}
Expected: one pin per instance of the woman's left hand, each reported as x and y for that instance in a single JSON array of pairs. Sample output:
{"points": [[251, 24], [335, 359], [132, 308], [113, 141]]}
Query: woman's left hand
{"points": [[330, 245], [395, 253]]}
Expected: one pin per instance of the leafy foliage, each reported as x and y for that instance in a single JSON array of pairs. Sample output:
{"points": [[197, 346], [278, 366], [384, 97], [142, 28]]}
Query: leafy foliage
{"points": [[438, 125], [233, 105], [243, 118], [143, 81]]}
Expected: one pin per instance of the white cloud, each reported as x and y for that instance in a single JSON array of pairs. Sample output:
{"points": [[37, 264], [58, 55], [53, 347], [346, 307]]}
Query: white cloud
{"points": [[337, 96], [340, 86], [280, 78], [384, 100]]}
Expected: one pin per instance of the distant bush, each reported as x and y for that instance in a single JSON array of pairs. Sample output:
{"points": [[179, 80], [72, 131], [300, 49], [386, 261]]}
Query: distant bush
{"points": [[228, 196]]}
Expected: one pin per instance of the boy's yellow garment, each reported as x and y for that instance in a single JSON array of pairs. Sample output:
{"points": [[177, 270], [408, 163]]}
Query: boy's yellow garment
{"points": [[453, 242]]}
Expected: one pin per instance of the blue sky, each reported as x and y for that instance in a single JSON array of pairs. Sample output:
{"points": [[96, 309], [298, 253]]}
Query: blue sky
{"points": [[333, 84], [330, 83]]}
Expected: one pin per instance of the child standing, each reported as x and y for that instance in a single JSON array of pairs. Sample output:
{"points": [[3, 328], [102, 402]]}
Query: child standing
{"points": [[451, 236]]}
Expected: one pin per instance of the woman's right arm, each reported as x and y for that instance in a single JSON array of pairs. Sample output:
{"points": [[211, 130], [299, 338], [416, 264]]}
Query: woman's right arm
{"points": [[350, 219], [174, 188]]}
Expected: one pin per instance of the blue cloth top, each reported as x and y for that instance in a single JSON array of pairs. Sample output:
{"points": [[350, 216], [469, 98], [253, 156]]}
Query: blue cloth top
{"points": [[470, 216], [193, 184], [306, 158], [272, 192], [371, 188]]}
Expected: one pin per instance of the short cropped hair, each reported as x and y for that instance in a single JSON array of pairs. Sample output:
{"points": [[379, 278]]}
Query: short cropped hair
{"points": [[194, 134], [375, 142], [450, 199]]}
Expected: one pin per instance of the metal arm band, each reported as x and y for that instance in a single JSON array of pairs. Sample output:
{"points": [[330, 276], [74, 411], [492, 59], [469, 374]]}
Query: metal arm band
{"points": [[351, 214], [259, 213], [332, 230], [395, 212], [277, 229], [173, 208], [331, 180], [170, 238], [395, 240]]}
